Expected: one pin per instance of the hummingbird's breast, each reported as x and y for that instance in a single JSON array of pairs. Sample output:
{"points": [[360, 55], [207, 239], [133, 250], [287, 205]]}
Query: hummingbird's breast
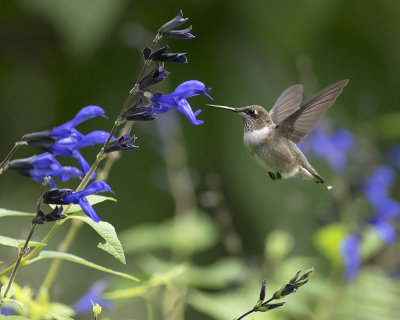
{"points": [[270, 149]]}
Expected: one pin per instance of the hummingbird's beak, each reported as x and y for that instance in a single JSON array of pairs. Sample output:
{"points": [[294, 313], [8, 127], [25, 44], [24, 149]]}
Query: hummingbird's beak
{"points": [[222, 107]]}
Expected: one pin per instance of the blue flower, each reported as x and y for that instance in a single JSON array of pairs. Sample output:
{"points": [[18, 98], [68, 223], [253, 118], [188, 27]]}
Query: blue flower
{"points": [[68, 147], [84, 304], [394, 155], [351, 256], [331, 146], [177, 100], [64, 173], [376, 190], [80, 198], [384, 229], [7, 311], [68, 128], [45, 139], [40, 166]]}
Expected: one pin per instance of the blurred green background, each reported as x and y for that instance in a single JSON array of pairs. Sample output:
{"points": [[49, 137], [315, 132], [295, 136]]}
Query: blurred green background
{"points": [[58, 56]]}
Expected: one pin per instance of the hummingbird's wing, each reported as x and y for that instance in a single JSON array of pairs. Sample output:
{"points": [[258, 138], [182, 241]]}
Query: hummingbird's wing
{"points": [[300, 123], [287, 103]]}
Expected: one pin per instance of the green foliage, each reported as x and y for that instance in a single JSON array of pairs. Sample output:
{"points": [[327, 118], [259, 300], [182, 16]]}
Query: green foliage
{"points": [[112, 245], [76, 259], [13, 317], [13, 213], [6, 241], [190, 232], [58, 316], [327, 240], [157, 279]]}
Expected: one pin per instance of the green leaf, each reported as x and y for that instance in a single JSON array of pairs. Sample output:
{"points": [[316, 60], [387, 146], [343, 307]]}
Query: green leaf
{"points": [[58, 316], [106, 230], [11, 242], [217, 275], [13, 213], [10, 292], [76, 259], [156, 280], [193, 232], [328, 239]]}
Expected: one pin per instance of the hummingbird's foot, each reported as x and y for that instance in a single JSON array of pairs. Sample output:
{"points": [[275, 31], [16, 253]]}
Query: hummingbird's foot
{"points": [[278, 176], [271, 175]]}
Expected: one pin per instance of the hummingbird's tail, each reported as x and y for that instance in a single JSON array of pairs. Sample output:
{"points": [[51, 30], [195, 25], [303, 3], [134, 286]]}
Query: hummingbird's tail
{"points": [[319, 179]]}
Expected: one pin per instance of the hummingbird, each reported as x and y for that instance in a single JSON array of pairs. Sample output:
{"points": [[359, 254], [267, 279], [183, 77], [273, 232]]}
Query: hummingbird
{"points": [[271, 137]]}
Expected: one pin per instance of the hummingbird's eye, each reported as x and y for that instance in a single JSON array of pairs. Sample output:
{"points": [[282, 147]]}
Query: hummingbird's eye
{"points": [[251, 112]]}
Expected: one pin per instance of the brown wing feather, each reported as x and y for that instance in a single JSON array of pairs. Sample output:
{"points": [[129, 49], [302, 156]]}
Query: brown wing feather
{"points": [[300, 123], [287, 103]]}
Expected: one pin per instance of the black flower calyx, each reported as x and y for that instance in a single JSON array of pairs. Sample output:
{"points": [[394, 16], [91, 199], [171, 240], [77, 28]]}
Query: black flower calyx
{"points": [[174, 23], [269, 306], [40, 140], [139, 112], [179, 34], [154, 76], [122, 143], [55, 196], [160, 55], [54, 215], [294, 284], [262, 292]]}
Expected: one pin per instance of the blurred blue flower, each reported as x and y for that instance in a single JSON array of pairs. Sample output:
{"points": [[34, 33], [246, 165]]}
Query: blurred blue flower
{"points": [[80, 198], [7, 311], [394, 155], [384, 228], [177, 100], [330, 146], [84, 304], [351, 256], [376, 190]]}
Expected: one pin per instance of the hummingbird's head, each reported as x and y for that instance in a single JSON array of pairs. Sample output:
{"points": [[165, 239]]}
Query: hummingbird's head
{"points": [[255, 117]]}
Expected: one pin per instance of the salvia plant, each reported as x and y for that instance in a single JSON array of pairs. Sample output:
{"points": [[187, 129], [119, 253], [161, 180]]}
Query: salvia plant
{"points": [[57, 205]]}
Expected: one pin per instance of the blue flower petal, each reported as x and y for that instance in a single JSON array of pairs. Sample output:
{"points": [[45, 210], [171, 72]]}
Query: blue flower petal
{"points": [[189, 89], [80, 197], [351, 256], [46, 160], [86, 113], [88, 209], [83, 164], [185, 108]]}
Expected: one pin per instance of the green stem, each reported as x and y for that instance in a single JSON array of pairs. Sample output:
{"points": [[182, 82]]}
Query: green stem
{"points": [[16, 265], [55, 265], [10, 154]]}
